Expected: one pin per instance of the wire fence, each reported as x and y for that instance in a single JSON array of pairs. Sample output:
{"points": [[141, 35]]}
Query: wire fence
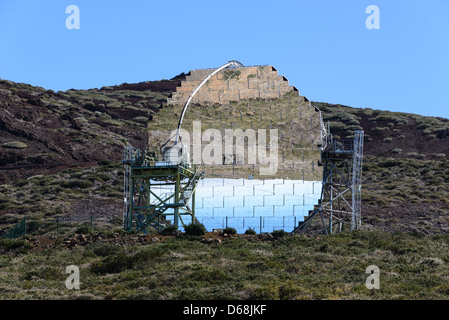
{"points": [[16, 231], [261, 205]]}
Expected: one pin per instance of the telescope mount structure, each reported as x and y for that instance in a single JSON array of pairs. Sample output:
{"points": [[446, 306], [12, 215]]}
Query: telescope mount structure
{"points": [[340, 202]]}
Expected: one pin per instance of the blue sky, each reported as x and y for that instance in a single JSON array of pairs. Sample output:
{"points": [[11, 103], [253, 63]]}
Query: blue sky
{"points": [[322, 47]]}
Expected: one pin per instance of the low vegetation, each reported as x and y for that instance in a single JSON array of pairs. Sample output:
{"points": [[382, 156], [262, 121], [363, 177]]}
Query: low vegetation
{"points": [[289, 267], [405, 206]]}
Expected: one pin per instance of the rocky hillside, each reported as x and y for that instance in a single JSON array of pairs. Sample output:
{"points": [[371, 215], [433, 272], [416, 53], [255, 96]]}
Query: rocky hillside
{"points": [[390, 134], [60, 152], [60, 167], [42, 131]]}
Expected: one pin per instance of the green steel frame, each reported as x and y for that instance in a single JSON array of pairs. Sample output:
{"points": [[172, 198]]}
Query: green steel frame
{"points": [[144, 208]]}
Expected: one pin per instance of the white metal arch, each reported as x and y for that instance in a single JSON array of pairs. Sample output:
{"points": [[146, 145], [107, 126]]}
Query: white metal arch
{"points": [[232, 63]]}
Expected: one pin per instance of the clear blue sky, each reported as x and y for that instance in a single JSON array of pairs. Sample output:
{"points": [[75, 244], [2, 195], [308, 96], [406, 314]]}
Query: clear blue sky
{"points": [[322, 47]]}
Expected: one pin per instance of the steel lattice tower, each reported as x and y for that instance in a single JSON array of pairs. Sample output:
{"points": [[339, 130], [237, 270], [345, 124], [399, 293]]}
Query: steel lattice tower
{"points": [[340, 202], [143, 207]]}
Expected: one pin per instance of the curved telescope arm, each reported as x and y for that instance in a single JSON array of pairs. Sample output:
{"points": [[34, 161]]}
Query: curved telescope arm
{"points": [[233, 63]]}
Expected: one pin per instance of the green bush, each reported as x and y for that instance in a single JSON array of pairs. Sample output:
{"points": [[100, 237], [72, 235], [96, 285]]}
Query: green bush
{"points": [[412, 154], [229, 230], [390, 163], [279, 233], [170, 230], [141, 119], [112, 264], [290, 291], [15, 145], [385, 117], [337, 126], [12, 244], [114, 105], [20, 183], [113, 122], [32, 226], [195, 229], [77, 183], [44, 273], [83, 230], [250, 231]]}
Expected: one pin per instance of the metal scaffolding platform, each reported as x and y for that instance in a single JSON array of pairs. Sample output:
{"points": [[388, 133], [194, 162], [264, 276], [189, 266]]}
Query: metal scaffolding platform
{"points": [[145, 208], [340, 202]]}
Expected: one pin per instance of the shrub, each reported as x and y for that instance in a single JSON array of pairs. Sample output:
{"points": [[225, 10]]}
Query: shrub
{"points": [[207, 274], [104, 249], [384, 116], [250, 231], [367, 111], [290, 291], [15, 145], [229, 230], [266, 292], [32, 226], [112, 264], [45, 273], [170, 230], [195, 229], [390, 163], [436, 181], [141, 119], [77, 183], [337, 126], [11, 244], [113, 122], [20, 183], [83, 230], [412, 154], [279, 233], [81, 120], [114, 105], [324, 247]]}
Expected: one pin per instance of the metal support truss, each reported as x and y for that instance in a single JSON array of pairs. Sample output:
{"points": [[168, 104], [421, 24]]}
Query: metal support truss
{"points": [[357, 160], [340, 202], [143, 176]]}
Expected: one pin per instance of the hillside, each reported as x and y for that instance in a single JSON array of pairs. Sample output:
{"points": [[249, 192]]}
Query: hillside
{"points": [[391, 134], [73, 128], [50, 141], [60, 167]]}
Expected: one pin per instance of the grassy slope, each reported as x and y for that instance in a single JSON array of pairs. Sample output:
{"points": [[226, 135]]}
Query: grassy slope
{"points": [[404, 190], [292, 267]]}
